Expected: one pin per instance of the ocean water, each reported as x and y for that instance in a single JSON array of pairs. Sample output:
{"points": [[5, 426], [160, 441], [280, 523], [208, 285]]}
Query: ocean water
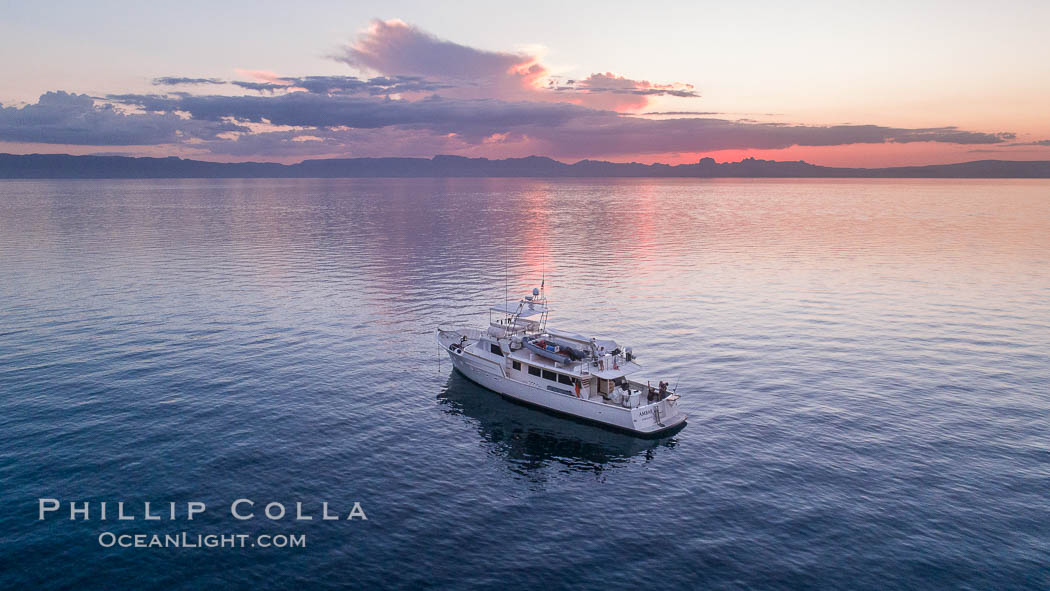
{"points": [[866, 366]]}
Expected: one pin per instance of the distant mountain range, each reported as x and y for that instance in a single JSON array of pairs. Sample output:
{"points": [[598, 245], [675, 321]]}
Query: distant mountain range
{"points": [[57, 166]]}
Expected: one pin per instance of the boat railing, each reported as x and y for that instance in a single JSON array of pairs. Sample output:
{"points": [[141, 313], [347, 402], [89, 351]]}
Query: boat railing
{"points": [[619, 396], [607, 361]]}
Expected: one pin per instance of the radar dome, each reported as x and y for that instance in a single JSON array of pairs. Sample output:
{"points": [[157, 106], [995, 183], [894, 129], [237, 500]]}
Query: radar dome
{"points": [[535, 291]]}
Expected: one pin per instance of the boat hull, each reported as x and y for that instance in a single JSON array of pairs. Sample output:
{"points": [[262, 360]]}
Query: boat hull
{"points": [[646, 421]]}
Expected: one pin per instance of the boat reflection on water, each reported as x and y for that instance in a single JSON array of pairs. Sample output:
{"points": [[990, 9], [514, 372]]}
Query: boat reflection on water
{"points": [[533, 441]]}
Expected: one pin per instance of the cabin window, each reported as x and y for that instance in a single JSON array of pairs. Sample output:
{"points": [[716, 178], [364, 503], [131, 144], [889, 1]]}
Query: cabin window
{"points": [[533, 370], [516, 365], [564, 379], [604, 386], [495, 349], [550, 375]]}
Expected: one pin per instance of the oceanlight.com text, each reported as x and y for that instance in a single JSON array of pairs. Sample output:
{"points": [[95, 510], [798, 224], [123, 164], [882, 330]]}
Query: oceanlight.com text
{"points": [[188, 540]]}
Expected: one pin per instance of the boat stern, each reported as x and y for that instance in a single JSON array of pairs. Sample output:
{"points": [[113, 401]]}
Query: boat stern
{"points": [[658, 417]]}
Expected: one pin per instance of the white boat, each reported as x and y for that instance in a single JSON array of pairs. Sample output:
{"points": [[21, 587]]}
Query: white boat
{"points": [[521, 358]]}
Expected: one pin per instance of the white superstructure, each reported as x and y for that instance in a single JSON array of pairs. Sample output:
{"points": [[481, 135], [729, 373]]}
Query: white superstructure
{"points": [[521, 358]]}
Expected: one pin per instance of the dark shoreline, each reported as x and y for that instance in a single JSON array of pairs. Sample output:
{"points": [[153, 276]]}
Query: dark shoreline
{"points": [[64, 166]]}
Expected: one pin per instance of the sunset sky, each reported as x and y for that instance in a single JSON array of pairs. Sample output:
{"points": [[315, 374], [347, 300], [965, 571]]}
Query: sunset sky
{"points": [[837, 83]]}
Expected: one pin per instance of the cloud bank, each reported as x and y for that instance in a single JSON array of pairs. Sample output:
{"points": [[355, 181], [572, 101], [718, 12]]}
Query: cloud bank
{"points": [[417, 95], [76, 119]]}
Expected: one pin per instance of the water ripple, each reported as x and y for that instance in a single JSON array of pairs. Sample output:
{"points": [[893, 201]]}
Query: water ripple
{"points": [[865, 365]]}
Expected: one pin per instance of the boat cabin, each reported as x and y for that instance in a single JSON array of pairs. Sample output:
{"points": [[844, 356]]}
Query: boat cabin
{"points": [[559, 361]]}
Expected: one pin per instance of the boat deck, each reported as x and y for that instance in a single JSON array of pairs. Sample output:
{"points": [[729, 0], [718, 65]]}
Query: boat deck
{"points": [[608, 367]]}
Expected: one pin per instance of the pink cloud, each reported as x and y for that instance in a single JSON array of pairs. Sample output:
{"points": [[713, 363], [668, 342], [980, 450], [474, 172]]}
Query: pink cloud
{"points": [[395, 48], [619, 93], [263, 76]]}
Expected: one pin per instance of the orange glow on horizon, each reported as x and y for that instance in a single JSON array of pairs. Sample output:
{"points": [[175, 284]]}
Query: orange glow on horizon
{"points": [[858, 155]]}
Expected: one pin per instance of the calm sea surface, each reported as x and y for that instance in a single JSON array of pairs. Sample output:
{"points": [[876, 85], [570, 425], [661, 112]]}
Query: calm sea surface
{"points": [[866, 366]]}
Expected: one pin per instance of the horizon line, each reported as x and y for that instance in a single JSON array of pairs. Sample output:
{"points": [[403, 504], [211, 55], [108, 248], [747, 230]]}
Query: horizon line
{"points": [[95, 166], [699, 161]]}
